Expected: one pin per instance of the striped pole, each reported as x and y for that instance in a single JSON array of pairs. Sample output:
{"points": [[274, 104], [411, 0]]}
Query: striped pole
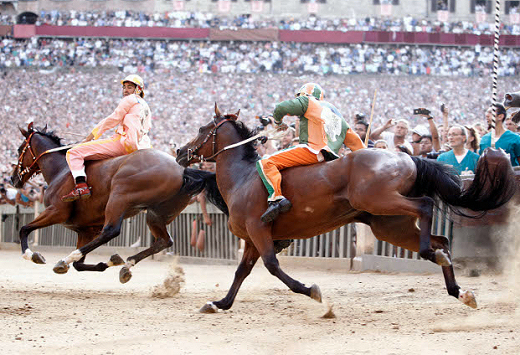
{"points": [[495, 70]]}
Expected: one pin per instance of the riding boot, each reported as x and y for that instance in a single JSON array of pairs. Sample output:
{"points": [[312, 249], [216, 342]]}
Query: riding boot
{"points": [[80, 191], [275, 208]]}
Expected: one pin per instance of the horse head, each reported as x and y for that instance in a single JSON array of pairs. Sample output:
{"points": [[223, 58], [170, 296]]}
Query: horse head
{"points": [[27, 156], [204, 146]]}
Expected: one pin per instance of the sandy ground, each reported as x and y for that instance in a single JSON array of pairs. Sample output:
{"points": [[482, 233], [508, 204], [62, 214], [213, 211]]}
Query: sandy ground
{"points": [[92, 313]]}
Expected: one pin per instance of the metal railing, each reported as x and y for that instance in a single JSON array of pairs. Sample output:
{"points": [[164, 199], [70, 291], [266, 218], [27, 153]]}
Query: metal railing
{"points": [[220, 243]]}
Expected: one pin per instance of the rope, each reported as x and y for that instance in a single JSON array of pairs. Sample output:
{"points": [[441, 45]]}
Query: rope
{"points": [[495, 71]]}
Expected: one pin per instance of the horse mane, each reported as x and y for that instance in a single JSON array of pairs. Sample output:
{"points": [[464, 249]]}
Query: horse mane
{"points": [[50, 135], [250, 153]]}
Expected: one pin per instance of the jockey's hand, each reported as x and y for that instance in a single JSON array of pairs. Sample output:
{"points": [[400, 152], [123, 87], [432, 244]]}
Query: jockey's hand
{"points": [[88, 138]]}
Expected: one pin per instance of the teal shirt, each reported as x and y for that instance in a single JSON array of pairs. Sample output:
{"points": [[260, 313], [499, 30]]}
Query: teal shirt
{"points": [[469, 163], [508, 141]]}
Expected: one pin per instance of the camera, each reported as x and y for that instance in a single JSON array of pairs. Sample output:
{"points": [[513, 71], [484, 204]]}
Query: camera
{"points": [[421, 111]]}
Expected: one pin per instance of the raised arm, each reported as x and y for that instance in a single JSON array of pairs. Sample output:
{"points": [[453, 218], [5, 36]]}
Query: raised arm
{"points": [[376, 133]]}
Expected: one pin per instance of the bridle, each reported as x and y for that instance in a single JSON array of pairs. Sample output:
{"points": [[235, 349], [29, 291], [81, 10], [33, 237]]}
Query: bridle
{"points": [[192, 153], [27, 147]]}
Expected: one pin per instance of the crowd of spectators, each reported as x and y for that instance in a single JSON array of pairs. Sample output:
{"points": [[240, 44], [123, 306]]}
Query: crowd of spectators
{"points": [[72, 100], [177, 19], [256, 57]]}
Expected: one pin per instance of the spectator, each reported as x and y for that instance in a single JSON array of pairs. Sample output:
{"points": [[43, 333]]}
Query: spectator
{"points": [[361, 127], [426, 146], [418, 133], [463, 160], [380, 144], [394, 139], [505, 139], [473, 139]]}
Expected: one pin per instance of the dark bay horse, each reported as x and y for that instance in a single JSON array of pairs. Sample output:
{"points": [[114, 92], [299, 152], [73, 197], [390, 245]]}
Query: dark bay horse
{"points": [[148, 180], [385, 190]]}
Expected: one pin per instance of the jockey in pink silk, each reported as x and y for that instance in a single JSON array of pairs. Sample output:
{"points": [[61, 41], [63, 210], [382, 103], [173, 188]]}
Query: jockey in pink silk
{"points": [[132, 118]]}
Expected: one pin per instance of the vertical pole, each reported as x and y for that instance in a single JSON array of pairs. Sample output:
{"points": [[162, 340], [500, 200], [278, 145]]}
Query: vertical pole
{"points": [[495, 70]]}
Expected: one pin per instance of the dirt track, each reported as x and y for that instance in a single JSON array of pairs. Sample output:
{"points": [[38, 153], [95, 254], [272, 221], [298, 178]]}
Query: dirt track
{"points": [[92, 313]]}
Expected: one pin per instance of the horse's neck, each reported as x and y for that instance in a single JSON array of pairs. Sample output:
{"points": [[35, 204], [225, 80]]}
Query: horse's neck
{"points": [[232, 165], [51, 165]]}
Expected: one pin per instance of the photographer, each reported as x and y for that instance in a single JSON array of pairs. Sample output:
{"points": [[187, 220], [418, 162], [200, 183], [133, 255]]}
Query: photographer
{"points": [[434, 133], [393, 139]]}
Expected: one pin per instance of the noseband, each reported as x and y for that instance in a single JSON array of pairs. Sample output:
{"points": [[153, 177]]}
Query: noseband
{"points": [[192, 153]]}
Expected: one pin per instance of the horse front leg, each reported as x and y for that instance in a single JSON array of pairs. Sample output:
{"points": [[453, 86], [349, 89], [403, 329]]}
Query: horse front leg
{"points": [[111, 230], [264, 244], [85, 237], [50, 216], [247, 263], [466, 297]]}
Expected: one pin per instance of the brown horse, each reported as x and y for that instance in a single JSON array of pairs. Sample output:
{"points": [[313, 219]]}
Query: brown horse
{"points": [[121, 187], [385, 190]]}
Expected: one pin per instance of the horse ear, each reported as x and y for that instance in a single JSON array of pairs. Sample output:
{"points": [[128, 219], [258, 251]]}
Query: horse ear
{"points": [[217, 111], [23, 131], [237, 114], [44, 128]]}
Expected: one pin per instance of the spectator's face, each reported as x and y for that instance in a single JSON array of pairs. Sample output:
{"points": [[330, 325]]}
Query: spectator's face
{"points": [[361, 130], [456, 138], [287, 138], [426, 145], [510, 125], [401, 130], [489, 117], [381, 145]]}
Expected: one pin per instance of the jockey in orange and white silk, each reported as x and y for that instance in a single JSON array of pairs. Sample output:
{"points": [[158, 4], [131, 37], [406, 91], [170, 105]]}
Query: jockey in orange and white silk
{"points": [[132, 118]]}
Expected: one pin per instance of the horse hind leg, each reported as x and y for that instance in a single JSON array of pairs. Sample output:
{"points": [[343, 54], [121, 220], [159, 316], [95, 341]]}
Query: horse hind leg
{"points": [[405, 236], [247, 263], [162, 240], [466, 297]]}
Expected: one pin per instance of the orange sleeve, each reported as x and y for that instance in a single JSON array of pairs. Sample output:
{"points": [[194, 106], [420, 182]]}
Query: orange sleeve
{"points": [[352, 141]]}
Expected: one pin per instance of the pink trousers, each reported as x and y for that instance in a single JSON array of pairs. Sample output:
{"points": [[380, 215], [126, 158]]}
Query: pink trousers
{"points": [[94, 150]]}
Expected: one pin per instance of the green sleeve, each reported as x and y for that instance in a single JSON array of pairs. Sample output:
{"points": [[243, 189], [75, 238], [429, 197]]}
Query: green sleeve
{"points": [[294, 107]]}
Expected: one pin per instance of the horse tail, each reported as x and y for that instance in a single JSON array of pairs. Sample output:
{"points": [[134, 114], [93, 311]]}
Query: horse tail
{"points": [[493, 185], [194, 181]]}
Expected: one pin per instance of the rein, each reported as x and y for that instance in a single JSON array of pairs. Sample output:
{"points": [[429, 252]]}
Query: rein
{"points": [[21, 172], [213, 132]]}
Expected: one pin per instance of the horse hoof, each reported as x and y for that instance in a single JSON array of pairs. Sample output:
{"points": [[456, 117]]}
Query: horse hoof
{"points": [[209, 308], [116, 260], [468, 298], [37, 258], [125, 275], [441, 258], [315, 293], [61, 267]]}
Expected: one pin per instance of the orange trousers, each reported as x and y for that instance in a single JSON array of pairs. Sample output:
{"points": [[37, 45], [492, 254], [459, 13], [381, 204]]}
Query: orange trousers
{"points": [[269, 167], [94, 150]]}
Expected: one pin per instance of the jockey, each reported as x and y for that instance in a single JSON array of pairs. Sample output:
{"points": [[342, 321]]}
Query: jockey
{"points": [[323, 131], [133, 120]]}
